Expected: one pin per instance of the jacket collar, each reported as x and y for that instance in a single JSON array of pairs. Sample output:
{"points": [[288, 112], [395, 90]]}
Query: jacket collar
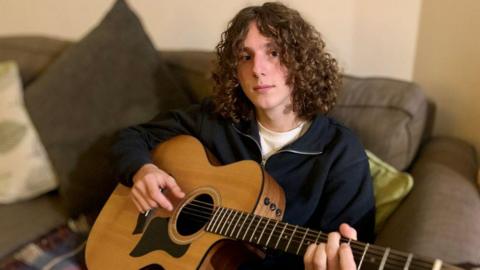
{"points": [[314, 141]]}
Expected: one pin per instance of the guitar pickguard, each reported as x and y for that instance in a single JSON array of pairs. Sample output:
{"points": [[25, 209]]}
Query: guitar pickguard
{"points": [[156, 237]]}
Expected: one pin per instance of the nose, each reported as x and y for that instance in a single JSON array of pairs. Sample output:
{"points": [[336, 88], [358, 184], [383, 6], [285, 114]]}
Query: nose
{"points": [[259, 66]]}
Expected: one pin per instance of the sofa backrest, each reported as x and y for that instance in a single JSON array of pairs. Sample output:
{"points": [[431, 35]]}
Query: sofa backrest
{"points": [[390, 116]]}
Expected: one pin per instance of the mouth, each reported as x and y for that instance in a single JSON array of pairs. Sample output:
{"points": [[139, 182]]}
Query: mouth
{"points": [[263, 87]]}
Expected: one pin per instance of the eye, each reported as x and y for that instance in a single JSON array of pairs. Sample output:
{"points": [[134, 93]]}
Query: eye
{"points": [[245, 57], [274, 53]]}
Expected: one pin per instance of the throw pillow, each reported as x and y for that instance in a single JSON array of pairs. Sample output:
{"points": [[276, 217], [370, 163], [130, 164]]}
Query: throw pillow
{"points": [[390, 187], [25, 170], [110, 79]]}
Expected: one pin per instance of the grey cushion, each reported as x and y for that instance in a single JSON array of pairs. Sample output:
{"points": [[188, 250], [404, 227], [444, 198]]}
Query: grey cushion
{"points": [[111, 79], [388, 115]]}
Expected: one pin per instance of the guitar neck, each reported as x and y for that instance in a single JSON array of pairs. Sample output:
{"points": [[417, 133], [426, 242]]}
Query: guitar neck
{"points": [[294, 239]]}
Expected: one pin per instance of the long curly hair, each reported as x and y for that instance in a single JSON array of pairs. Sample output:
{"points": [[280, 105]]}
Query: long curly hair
{"points": [[313, 73]]}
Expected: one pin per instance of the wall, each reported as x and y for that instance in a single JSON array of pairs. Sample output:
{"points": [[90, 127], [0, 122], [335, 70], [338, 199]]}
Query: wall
{"points": [[360, 33], [448, 65]]}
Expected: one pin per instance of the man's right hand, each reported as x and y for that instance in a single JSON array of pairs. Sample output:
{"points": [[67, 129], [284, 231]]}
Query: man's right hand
{"points": [[148, 183]]}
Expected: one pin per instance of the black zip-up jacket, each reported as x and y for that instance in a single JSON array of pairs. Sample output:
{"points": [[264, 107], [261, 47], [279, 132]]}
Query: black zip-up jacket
{"points": [[324, 173]]}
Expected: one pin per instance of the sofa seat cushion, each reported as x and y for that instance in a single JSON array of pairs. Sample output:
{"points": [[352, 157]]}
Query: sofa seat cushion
{"points": [[110, 79], [388, 115], [23, 222]]}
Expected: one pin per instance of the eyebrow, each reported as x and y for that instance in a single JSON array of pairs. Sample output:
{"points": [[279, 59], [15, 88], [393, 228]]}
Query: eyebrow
{"points": [[268, 45]]}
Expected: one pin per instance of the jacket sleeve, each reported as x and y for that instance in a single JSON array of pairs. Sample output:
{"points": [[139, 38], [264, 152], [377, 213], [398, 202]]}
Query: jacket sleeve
{"points": [[132, 146], [348, 196]]}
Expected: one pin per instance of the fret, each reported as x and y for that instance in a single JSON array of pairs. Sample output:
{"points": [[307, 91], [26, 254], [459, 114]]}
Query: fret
{"points": [[227, 220], [249, 224], [318, 237], [409, 260], [230, 224], [363, 256], [212, 221], [261, 234], [437, 265], [384, 259], [301, 243], [271, 233], [254, 230], [235, 227], [220, 220], [291, 237], [245, 217], [281, 235]]}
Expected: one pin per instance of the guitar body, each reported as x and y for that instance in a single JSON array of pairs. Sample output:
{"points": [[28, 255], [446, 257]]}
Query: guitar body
{"points": [[123, 238]]}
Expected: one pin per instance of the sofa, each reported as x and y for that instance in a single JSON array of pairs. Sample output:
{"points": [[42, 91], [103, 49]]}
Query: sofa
{"points": [[79, 93]]}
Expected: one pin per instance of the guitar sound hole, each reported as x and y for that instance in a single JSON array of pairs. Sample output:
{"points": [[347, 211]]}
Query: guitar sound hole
{"points": [[195, 215]]}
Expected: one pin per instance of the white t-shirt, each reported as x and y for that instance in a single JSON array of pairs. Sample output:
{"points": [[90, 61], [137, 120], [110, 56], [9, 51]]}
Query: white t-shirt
{"points": [[272, 141]]}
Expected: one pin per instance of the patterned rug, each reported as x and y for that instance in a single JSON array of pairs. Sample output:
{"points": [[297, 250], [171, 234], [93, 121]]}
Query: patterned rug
{"points": [[61, 248]]}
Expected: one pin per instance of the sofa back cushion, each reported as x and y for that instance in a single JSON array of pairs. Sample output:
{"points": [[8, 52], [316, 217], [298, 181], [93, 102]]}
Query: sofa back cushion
{"points": [[388, 115], [33, 54]]}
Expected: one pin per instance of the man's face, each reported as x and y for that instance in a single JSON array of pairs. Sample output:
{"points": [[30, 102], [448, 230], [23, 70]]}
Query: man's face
{"points": [[261, 74]]}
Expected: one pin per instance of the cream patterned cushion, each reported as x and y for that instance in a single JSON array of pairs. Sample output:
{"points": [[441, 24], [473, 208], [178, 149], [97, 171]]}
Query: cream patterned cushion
{"points": [[25, 170]]}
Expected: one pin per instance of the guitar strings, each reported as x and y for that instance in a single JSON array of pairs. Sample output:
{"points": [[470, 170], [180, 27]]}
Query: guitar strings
{"points": [[356, 252], [354, 245], [357, 248], [378, 253], [376, 250], [388, 263]]}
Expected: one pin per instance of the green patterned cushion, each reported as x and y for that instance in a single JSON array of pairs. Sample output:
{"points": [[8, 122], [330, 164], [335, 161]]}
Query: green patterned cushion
{"points": [[25, 170], [390, 187]]}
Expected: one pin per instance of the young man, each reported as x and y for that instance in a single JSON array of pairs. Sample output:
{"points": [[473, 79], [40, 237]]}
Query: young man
{"points": [[273, 85]]}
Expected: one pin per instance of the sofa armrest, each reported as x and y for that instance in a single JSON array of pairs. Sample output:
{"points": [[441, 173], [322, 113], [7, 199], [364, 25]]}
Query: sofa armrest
{"points": [[440, 218]]}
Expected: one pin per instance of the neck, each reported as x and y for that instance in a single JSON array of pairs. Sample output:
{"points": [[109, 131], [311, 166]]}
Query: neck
{"points": [[278, 122]]}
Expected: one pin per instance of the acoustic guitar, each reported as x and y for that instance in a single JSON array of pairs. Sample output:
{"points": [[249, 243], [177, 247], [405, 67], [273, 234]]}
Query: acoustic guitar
{"points": [[224, 208]]}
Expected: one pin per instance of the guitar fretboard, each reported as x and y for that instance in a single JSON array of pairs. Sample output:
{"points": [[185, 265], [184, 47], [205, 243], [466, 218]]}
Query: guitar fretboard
{"points": [[294, 239]]}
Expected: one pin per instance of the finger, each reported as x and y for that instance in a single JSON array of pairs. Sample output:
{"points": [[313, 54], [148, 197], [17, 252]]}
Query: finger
{"points": [[154, 191], [348, 231], [142, 190], [137, 205], [154, 182], [320, 257], [308, 257], [346, 257], [333, 244], [174, 187], [139, 199]]}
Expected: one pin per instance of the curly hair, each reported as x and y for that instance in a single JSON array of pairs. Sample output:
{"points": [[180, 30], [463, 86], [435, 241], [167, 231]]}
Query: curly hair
{"points": [[313, 73]]}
